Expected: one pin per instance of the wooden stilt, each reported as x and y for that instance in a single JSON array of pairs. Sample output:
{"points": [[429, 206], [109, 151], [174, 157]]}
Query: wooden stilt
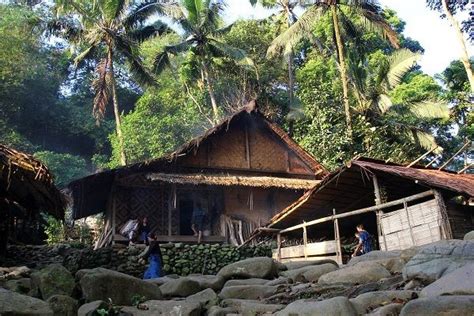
{"points": [[279, 247], [305, 241], [337, 237], [445, 226], [379, 213]]}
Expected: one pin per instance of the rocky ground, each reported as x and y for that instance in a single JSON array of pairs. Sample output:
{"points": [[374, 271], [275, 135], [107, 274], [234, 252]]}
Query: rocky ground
{"points": [[435, 279]]}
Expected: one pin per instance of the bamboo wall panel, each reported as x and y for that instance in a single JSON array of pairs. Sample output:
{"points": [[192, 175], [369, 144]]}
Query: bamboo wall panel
{"points": [[266, 153], [297, 166], [417, 225], [461, 219], [312, 249], [228, 150]]}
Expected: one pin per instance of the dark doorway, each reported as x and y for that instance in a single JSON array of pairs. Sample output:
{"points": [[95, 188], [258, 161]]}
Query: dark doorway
{"points": [[185, 213]]}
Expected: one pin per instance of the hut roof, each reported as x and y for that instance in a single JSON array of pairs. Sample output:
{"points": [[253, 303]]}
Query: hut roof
{"points": [[28, 182], [90, 193], [347, 185]]}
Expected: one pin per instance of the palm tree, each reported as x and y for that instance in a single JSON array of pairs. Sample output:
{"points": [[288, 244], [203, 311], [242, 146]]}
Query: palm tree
{"points": [[201, 23], [109, 31], [449, 8], [367, 10], [373, 89]]}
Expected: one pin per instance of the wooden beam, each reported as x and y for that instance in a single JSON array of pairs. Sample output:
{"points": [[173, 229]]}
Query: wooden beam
{"points": [[305, 241], [379, 213], [422, 156], [337, 237], [360, 211], [445, 225], [279, 247], [453, 156]]}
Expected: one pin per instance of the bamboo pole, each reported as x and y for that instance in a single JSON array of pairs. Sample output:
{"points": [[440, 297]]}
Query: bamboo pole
{"points": [[337, 237], [452, 157], [445, 226], [279, 247], [379, 213], [422, 156], [405, 206], [305, 241]]}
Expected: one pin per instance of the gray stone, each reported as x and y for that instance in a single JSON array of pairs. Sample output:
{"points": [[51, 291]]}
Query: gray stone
{"points": [[169, 308], [258, 267], [458, 282], [221, 311], [313, 274], [300, 264], [208, 281], [251, 292], [251, 307], [102, 284], [13, 303], [438, 259], [371, 300], [161, 281], [333, 306], [89, 308], [392, 309], [279, 281], [53, 279], [16, 272], [440, 305], [375, 255], [63, 305], [206, 298], [181, 287], [413, 285], [252, 281], [362, 272], [469, 236], [22, 286]]}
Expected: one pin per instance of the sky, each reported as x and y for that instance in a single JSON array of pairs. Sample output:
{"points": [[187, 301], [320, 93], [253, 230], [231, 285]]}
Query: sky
{"points": [[434, 34]]}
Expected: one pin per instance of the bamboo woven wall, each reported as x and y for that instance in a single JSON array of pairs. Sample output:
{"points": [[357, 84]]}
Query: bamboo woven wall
{"points": [[416, 225], [266, 153], [461, 219]]}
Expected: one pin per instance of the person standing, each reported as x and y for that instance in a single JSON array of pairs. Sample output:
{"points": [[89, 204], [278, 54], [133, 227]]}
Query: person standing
{"points": [[153, 252], [364, 246], [144, 230], [198, 221]]}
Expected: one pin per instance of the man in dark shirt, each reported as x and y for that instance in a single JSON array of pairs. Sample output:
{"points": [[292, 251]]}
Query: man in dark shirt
{"points": [[198, 221], [364, 246]]}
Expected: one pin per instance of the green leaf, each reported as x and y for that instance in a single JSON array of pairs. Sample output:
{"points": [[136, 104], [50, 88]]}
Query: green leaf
{"points": [[400, 62], [430, 109]]}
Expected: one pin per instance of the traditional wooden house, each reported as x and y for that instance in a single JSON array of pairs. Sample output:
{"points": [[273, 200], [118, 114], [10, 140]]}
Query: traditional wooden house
{"points": [[401, 206], [242, 171], [26, 189]]}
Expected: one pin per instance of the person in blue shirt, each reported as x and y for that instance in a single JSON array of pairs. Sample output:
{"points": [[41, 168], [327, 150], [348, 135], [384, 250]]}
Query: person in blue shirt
{"points": [[364, 246], [153, 253]]}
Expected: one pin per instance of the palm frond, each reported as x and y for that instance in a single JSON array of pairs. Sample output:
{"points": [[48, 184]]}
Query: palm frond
{"points": [[146, 32], [113, 9], [85, 54], [66, 28], [400, 62], [212, 16], [384, 103], [422, 139], [193, 9], [429, 109], [236, 54], [373, 21], [161, 62], [102, 86], [144, 10], [285, 42]]}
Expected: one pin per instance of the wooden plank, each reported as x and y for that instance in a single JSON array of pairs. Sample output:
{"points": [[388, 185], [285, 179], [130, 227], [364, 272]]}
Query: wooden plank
{"points": [[180, 238], [312, 249], [360, 211], [305, 241], [303, 259], [279, 247], [337, 238], [446, 228]]}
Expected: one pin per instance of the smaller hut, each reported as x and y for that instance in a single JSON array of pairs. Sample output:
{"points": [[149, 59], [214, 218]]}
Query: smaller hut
{"points": [[401, 206], [26, 189]]}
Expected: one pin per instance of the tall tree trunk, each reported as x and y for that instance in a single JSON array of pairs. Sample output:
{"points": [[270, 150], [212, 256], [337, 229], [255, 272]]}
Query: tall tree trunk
{"points": [[342, 66], [118, 123], [291, 78], [210, 89], [464, 54]]}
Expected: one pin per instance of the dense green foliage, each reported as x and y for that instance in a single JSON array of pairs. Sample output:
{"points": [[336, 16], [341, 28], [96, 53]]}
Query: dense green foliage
{"points": [[45, 97]]}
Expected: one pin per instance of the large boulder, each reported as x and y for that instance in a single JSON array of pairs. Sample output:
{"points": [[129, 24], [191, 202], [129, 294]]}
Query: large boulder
{"points": [[389, 259], [248, 292], [315, 272], [181, 287], [12, 303], [258, 267], [221, 311], [458, 282], [88, 309], [300, 264], [438, 259], [440, 305], [63, 305], [52, 280], [11, 273], [334, 306], [206, 298], [102, 284], [22, 286], [208, 281], [469, 236], [359, 273], [392, 309], [252, 281], [169, 308], [251, 307], [162, 280], [368, 301]]}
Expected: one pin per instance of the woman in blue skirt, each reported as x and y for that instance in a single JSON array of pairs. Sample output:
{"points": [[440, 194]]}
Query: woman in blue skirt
{"points": [[153, 252]]}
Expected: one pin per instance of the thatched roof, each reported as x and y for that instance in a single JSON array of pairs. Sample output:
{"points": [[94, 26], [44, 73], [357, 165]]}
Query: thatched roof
{"points": [[27, 182], [232, 180], [90, 193]]}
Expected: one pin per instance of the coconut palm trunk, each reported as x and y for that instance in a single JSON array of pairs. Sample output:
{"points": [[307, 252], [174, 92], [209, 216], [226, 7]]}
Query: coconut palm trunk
{"points": [[464, 54], [118, 123], [210, 89], [291, 78], [343, 71]]}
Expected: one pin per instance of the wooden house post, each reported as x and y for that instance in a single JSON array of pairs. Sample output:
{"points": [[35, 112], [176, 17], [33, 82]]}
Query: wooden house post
{"points": [[171, 207], [445, 225], [379, 213], [114, 207], [337, 237], [279, 247], [405, 206], [305, 241]]}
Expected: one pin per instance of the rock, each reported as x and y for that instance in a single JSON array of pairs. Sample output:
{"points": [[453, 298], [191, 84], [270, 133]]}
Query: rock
{"points": [[440, 305], [169, 308], [102, 284], [368, 301], [387, 310], [89, 308], [181, 287], [258, 267], [63, 305], [250, 292], [407, 254], [315, 272], [22, 286], [16, 272], [438, 259], [51, 280], [469, 236], [458, 282], [300, 264], [413, 285], [252, 281], [279, 281], [162, 280], [333, 306], [362, 272], [205, 298], [208, 281], [221, 311], [251, 307], [13, 303], [375, 255]]}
